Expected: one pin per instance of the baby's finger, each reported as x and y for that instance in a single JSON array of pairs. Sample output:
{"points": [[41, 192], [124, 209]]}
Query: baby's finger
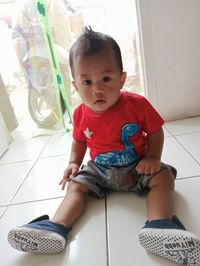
{"points": [[64, 182], [61, 182], [140, 169], [73, 173]]}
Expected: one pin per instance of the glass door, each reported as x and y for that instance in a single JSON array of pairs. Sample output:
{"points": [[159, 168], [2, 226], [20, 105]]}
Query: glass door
{"points": [[25, 68]]}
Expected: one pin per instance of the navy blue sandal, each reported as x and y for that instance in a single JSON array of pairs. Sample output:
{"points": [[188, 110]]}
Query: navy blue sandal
{"points": [[169, 239], [39, 236]]}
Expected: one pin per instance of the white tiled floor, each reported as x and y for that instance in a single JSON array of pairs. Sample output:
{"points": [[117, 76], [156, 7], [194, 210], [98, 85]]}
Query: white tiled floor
{"points": [[106, 235]]}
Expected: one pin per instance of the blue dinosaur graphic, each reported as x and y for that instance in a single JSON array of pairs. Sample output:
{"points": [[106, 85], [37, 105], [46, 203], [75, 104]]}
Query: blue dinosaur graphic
{"points": [[122, 157]]}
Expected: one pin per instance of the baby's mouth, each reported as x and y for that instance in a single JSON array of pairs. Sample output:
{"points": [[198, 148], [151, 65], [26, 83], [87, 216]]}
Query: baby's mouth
{"points": [[99, 101]]}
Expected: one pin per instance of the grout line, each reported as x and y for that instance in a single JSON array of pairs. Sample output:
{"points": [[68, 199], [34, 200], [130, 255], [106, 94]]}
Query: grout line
{"points": [[187, 178], [30, 160], [187, 151], [16, 162], [24, 160], [187, 133], [35, 161], [182, 134], [25, 202], [166, 129], [167, 137], [107, 239], [31, 201], [56, 155], [3, 212]]}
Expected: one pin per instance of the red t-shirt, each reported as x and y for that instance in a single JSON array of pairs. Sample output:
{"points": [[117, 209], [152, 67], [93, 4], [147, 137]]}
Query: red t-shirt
{"points": [[117, 137]]}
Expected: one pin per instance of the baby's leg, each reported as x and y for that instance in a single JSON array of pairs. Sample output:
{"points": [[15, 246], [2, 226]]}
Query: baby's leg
{"points": [[160, 196], [48, 237], [163, 234], [72, 206]]}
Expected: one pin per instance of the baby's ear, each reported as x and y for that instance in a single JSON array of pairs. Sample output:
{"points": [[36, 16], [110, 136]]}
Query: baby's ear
{"points": [[74, 84], [123, 78]]}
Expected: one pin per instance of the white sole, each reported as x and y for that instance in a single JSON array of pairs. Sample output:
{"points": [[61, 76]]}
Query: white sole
{"points": [[36, 241], [179, 246]]}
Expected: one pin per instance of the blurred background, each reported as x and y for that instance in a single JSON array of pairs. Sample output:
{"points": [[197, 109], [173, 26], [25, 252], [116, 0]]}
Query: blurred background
{"points": [[28, 103]]}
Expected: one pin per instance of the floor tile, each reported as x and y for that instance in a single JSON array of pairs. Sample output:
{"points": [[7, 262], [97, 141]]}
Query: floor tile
{"points": [[37, 192], [86, 242], [183, 126], [127, 214], [191, 142], [176, 155], [42, 181], [11, 177], [187, 203], [24, 150], [58, 144]]}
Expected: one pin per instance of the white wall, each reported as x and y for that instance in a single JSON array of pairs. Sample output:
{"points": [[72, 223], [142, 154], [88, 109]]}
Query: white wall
{"points": [[170, 38]]}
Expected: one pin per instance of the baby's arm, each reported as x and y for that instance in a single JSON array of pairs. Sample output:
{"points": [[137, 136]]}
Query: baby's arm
{"points": [[150, 164], [77, 154]]}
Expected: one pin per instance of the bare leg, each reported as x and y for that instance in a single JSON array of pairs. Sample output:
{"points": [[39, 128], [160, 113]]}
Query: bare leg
{"points": [[160, 196], [72, 206], [44, 237], [162, 235]]}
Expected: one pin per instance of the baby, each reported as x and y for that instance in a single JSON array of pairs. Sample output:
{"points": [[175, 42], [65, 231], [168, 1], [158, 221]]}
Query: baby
{"points": [[125, 137]]}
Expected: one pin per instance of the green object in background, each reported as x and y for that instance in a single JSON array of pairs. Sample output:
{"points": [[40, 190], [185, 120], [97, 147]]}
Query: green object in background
{"points": [[55, 68]]}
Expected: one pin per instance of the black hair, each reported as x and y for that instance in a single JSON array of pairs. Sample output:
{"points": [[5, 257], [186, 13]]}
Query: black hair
{"points": [[91, 42]]}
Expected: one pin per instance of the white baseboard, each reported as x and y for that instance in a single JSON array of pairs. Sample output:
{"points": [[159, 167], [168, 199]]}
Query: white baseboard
{"points": [[3, 136]]}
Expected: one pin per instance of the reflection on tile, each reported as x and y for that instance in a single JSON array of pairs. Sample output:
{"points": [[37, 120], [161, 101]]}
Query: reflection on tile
{"points": [[24, 150], [184, 126], [187, 203], [176, 155], [86, 242], [11, 177], [192, 143], [42, 182], [126, 216], [59, 144]]}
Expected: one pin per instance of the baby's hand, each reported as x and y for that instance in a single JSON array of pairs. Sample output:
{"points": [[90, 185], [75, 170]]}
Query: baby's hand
{"points": [[70, 171], [149, 165]]}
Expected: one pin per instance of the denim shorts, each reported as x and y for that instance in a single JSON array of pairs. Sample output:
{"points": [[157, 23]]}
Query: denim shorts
{"points": [[101, 181]]}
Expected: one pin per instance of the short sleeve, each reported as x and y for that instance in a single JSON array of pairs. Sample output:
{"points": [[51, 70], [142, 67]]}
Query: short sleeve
{"points": [[78, 134], [152, 121]]}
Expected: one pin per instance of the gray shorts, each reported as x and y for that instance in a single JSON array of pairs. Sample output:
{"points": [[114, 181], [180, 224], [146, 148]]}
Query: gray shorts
{"points": [[102, 181]]}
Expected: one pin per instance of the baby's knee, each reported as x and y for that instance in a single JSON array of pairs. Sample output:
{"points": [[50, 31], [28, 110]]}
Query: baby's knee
{"points": [[164, 178], [77, 187]]}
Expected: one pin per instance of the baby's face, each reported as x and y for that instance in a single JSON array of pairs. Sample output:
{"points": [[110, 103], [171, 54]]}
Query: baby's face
{"points": [[98, 80]]}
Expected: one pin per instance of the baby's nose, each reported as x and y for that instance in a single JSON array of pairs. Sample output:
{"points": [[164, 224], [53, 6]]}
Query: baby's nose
{"points": [[98, 88]]}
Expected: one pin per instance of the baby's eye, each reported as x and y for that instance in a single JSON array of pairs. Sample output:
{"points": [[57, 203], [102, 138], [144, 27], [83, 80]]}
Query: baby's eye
{"points": [[106, 79], [87, 82]]}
